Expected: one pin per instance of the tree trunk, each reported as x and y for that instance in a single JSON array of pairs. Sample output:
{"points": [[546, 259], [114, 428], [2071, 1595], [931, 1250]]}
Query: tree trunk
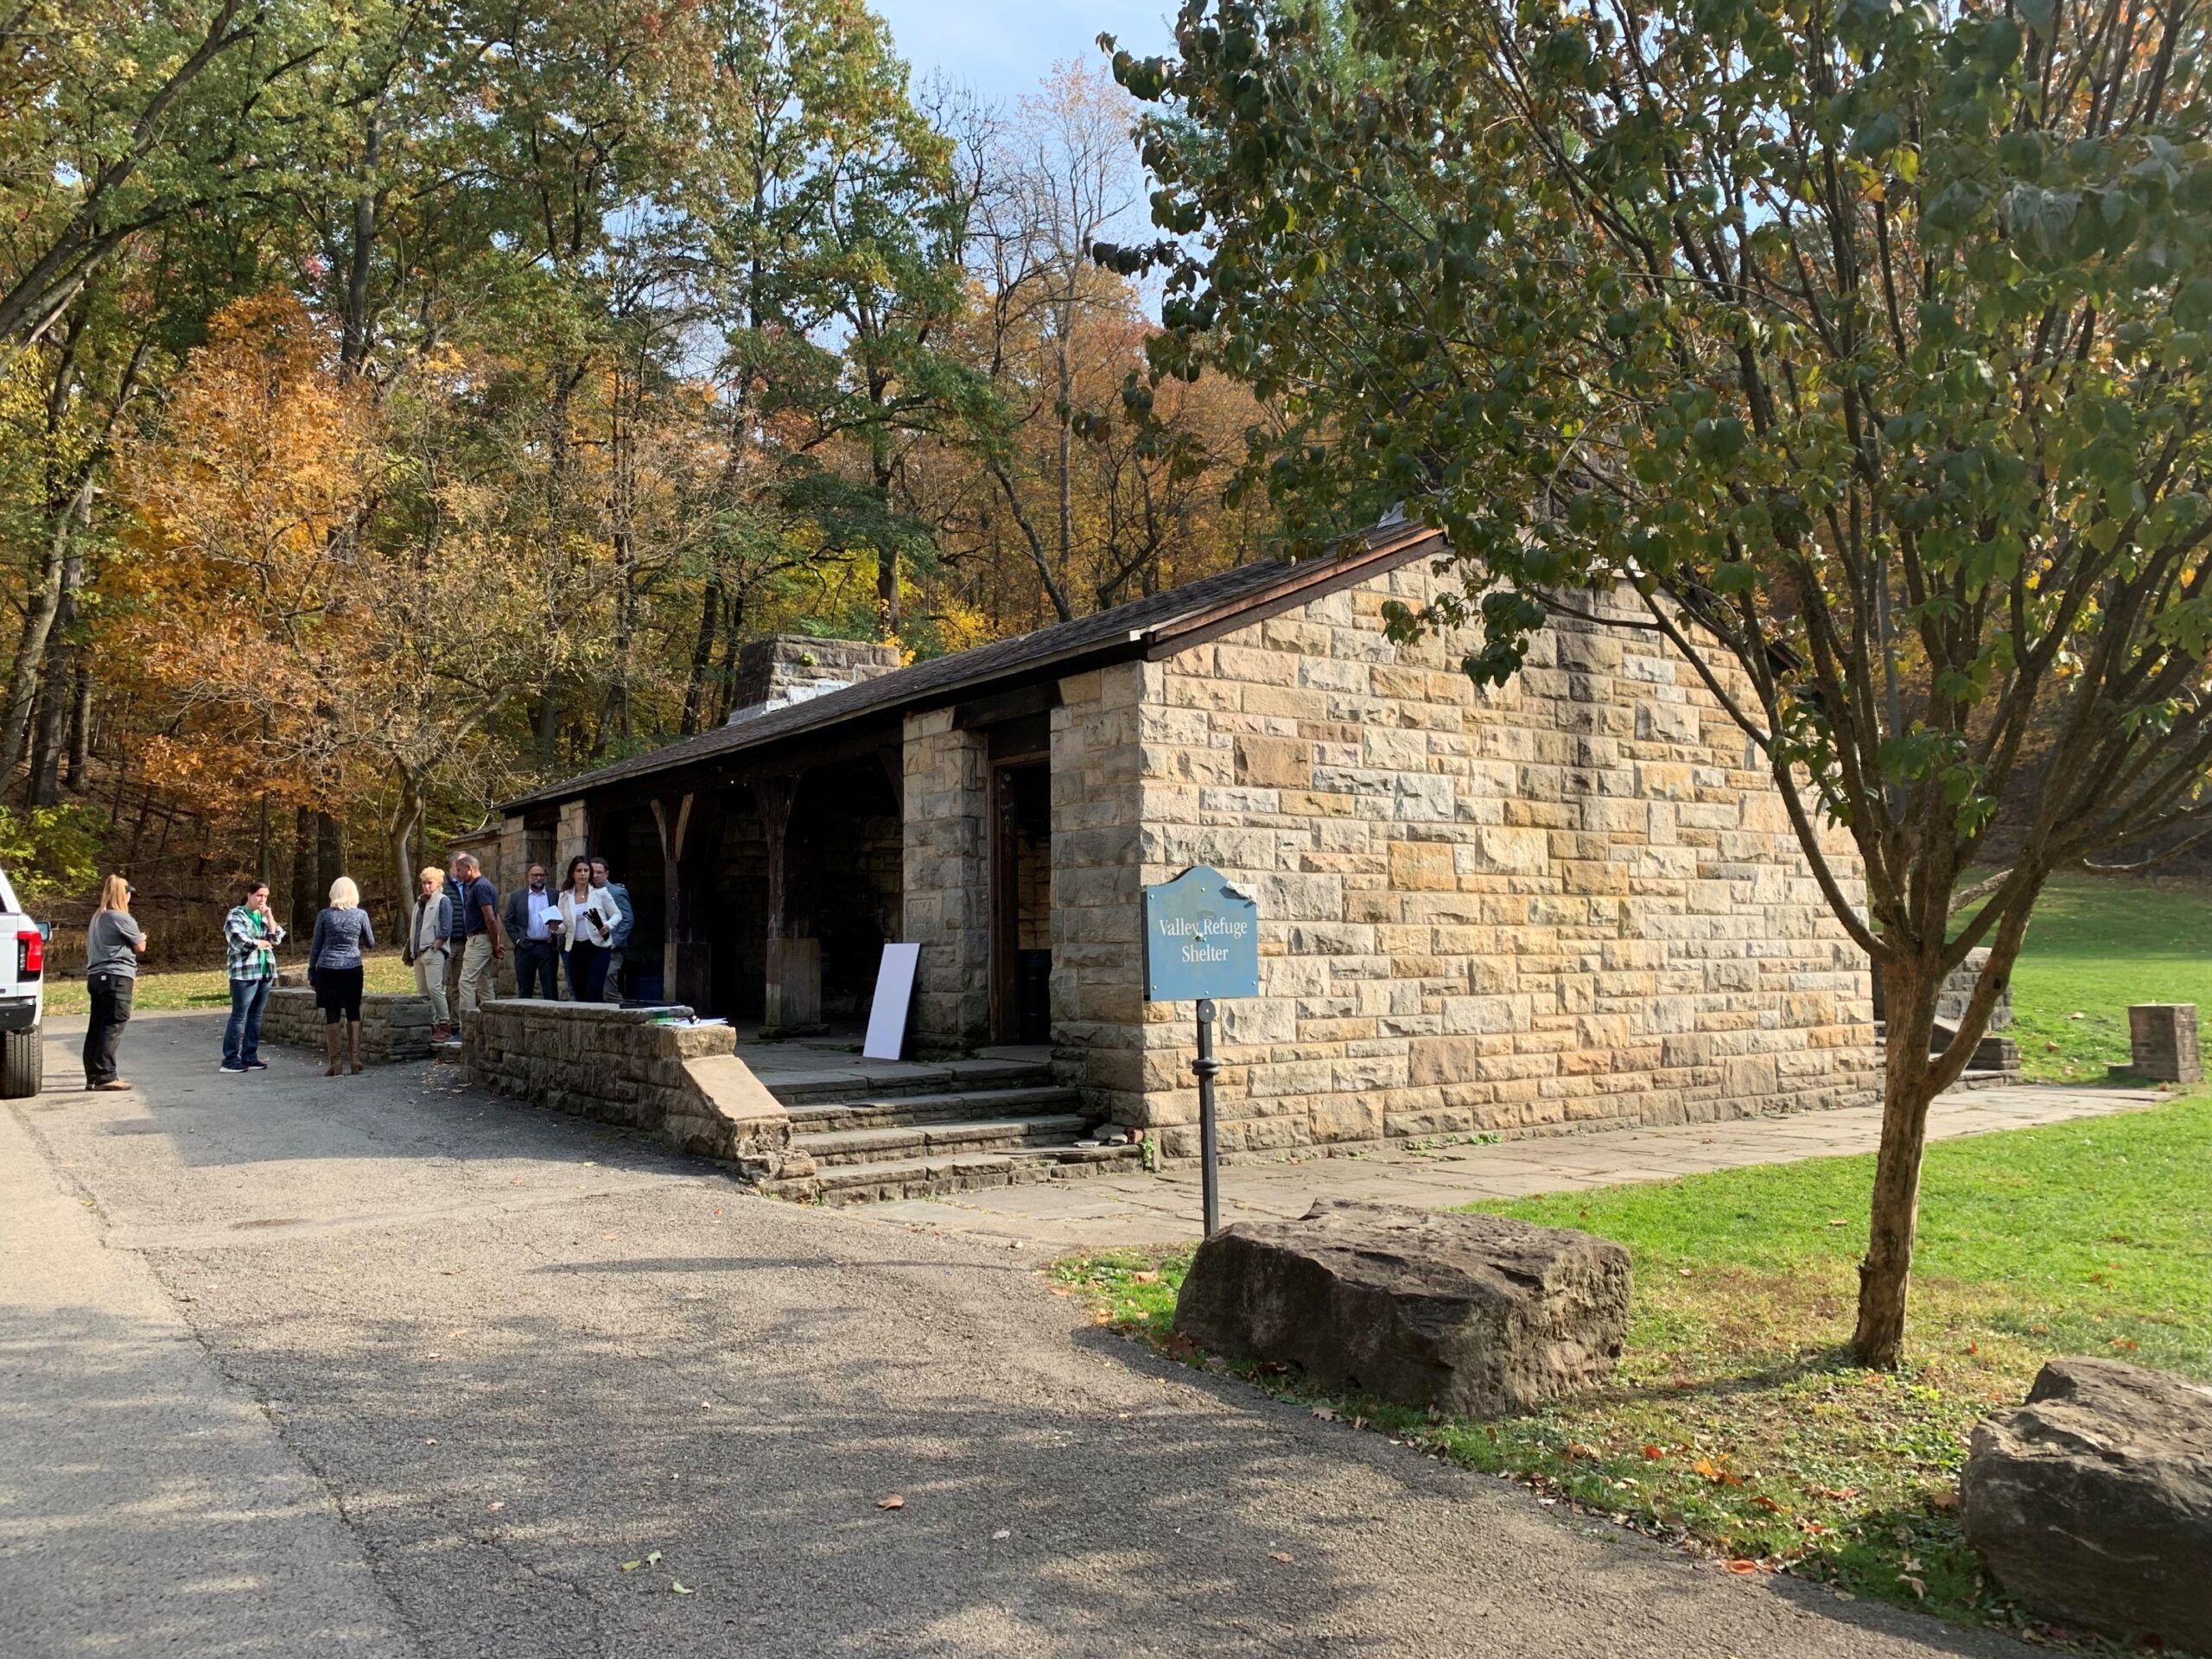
{"points": [[1909, 992], [304, 906], [406, 824], [703, 658], [81, 729], [58, 697], [27, 670], [329, 855]]}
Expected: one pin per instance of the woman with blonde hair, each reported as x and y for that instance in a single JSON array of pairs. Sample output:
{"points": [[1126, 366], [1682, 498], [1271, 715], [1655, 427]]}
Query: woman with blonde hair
{"points": [[428, 946], [334, 967], [113, 943]]}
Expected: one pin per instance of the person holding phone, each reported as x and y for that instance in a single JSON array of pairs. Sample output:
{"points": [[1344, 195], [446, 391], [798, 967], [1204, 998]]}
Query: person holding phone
{"points": [[589, 918], [113, 943], [250, 936]]}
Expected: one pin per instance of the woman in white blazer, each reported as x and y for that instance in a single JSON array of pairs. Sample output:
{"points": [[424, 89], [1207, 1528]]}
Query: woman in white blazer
{"points": [[589, 918]]}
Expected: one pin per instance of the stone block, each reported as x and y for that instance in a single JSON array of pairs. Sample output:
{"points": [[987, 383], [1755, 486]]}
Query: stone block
{"points": [[2093, 1502], [1472, 1314], [2162, 1042], [1274, 763]]}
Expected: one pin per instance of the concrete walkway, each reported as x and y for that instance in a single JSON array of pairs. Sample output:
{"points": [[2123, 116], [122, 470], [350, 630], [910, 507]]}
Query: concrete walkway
{"points": [[1129, 1209], [378, 1366]]}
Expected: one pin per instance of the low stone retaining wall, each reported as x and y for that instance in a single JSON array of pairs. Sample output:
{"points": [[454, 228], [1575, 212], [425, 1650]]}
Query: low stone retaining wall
{"points": [[394, 1026], [683, 1083]]}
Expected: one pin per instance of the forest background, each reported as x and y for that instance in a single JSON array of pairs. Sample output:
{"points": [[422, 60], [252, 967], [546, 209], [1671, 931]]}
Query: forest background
{"points": [[403, 402]]}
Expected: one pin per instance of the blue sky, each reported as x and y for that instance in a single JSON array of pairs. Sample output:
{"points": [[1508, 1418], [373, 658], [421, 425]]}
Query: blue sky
{"points": [[1002, 48]]}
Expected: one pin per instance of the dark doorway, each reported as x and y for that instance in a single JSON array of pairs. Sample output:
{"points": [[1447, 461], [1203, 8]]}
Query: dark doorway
{"points": [[1022, 901]]}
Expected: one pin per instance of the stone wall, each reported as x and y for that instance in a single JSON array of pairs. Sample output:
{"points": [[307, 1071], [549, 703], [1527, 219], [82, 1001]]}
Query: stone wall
{"points": [[945, 885], [1572, 901], [1098, 950], [393, 1026], [684, 1084]]}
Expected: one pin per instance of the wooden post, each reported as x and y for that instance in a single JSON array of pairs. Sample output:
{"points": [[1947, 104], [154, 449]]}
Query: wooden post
{"points": [[687, 961], [794, 999]]}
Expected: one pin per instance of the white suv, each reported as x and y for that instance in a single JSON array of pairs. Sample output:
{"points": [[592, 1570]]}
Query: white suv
{"points": [[22, 998]]}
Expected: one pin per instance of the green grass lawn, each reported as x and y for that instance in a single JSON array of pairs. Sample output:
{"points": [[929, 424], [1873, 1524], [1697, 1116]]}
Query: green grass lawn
{"points": [[207, 987], [1737, 1423], [2096, 944]]}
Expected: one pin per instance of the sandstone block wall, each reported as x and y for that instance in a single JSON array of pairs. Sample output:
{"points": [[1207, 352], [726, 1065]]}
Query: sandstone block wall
{"points": [[684, 1084], [945, 883], [393, 1026], [1572, 901]]}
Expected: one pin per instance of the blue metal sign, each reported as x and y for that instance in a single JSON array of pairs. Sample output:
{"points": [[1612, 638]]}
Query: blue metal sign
{"points": [[1201, 939]]}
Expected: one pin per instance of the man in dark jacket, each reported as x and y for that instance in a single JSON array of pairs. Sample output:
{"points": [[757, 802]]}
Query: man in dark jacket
{"points": [[524, 917]]}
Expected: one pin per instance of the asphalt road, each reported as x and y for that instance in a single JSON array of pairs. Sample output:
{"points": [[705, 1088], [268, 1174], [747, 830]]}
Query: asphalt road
{"points": [[375, 1366]]}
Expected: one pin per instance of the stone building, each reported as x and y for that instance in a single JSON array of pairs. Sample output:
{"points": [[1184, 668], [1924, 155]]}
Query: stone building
{"points": [[1572, 901]]}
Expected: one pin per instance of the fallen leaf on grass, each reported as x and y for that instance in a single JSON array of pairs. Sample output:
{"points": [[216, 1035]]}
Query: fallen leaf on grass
{"points": [[1144, 1278], [1768, 1504], [1654, 1452], [2125, 1345], [895, 1502], [1741, 1567], [1914, 1585], [1944, 1502], [1577, 1449]]}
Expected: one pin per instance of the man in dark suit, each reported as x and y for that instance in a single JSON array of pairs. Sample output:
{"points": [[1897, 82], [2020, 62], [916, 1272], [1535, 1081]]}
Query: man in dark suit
{"points": [[527, 907]]}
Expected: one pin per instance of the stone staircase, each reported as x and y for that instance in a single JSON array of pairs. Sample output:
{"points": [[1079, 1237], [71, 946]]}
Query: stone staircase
{"points": [[909, 1131]]}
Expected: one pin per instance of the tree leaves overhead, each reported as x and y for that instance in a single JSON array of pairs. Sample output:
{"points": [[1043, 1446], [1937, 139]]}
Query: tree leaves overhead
{"points": [[1866, 343]]}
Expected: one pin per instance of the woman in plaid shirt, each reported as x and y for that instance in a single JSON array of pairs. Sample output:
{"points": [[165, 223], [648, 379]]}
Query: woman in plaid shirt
{"points": [[250, 936]]}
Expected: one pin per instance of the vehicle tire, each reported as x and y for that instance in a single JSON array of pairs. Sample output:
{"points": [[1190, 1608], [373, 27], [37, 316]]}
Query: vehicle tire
{"points": [[23, 1064]]}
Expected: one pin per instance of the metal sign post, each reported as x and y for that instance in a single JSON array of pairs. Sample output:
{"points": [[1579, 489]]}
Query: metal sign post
{"points": [[1208, 1068], [1201, 942]]}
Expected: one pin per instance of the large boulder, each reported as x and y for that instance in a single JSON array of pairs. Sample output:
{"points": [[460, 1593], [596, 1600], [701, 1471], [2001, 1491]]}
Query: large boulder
{"points": [[2093, 1502], [1474, 1314]]}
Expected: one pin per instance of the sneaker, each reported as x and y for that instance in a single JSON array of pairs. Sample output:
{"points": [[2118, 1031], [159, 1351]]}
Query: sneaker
{"points": [[112, 1086], [227, 1066], [257, 1065]]}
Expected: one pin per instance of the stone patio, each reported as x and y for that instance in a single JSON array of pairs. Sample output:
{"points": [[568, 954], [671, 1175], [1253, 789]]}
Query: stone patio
{"points": [[1163, 1209]]}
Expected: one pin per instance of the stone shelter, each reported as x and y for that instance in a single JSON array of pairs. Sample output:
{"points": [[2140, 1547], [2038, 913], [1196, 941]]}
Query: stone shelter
{"points": [[1572, 901]]}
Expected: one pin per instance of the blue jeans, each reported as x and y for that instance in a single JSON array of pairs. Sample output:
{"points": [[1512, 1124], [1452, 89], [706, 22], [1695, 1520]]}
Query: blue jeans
{"points": [[241, 1037]]}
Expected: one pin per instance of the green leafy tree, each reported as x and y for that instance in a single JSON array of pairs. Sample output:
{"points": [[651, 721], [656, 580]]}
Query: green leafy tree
{"points": [[1868, 343]]}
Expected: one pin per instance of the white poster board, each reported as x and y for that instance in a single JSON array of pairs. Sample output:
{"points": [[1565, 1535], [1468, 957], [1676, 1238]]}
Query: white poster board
{"points": [[894, 994]]}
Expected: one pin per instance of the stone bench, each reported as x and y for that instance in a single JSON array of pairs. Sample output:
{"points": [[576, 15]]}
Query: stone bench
{"points": [[394, 1026], [631, 1066]]}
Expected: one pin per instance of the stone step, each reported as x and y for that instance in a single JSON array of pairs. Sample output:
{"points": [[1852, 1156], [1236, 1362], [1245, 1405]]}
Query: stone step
{"points": [[914, 1140], [830, 1085], [961, 1171], [883, 1112]]}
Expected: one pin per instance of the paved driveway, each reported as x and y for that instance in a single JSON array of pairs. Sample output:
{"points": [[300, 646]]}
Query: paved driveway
{"points": [[292, 1365]]}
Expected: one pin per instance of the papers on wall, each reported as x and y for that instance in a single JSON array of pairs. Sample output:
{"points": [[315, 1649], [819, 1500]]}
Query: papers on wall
{"points": [[894, 994]]}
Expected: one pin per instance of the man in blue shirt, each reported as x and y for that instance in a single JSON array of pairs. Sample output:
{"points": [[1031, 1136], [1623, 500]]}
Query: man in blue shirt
{"points": [[478, 927], [615, 945]]}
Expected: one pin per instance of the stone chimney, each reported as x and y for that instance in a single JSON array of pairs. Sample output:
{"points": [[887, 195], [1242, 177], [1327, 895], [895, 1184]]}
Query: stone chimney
{"points": [[788, 668]]}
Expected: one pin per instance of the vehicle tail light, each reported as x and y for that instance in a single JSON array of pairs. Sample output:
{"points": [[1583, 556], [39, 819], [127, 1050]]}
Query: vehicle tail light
{"points": [[30, 953]]}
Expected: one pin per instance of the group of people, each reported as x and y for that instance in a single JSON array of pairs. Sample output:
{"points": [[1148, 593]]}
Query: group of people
{"points": [[456, 937], [461, 930]]}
